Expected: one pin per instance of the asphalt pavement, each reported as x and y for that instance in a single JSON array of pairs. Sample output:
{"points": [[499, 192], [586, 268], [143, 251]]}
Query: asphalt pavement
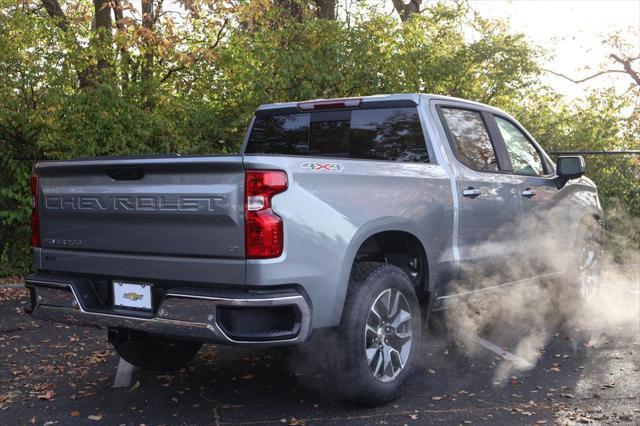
{"points": [[56, 374]]}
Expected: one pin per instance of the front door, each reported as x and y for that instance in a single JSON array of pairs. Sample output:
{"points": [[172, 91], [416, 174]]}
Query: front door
{"points": [[545, 218]]}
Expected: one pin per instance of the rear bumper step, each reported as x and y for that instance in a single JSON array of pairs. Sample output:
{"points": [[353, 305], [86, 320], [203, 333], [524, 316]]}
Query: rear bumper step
{"points": [[236, 318]]}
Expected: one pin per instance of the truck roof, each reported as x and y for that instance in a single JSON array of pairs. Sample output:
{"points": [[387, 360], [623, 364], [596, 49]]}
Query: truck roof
{"points": [[397, 98]]}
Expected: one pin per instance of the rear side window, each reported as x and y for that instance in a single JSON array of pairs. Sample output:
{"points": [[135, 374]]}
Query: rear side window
{"points": [[391, 134], [470, 139]]}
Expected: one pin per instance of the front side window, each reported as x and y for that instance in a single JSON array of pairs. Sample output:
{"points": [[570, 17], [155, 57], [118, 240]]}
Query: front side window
{"points": [[391, 134], [470, 139], [525, 158]]}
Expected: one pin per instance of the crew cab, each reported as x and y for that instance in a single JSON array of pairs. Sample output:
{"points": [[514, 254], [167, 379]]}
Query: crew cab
{"points": [[352, 216]]}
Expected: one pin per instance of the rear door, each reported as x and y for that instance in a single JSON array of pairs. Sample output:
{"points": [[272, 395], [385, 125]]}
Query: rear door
{"points": [[489, 202], [164, 217]]}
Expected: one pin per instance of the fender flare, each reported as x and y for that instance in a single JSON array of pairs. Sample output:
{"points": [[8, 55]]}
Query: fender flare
{"points": [[366, 231]]}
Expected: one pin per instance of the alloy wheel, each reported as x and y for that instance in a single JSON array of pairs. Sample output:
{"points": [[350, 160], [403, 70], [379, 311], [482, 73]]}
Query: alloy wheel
{"points": [[588, 270], [388, 335]]}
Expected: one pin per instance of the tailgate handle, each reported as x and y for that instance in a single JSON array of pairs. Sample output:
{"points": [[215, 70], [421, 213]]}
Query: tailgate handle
{"points": [[125, 173]]}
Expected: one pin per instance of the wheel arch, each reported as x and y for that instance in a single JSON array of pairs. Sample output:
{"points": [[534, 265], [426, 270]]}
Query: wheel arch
{"points": [[371, 231]]}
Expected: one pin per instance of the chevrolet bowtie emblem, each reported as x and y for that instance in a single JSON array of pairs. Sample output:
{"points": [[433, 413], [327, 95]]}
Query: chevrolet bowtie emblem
{"points": [[133, 296]]}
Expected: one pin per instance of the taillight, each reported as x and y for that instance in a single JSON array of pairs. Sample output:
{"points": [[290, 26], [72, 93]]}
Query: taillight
{"points": [[35, 212], [264, 235]]}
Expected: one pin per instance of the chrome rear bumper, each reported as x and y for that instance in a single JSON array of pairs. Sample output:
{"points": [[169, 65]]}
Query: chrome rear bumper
{"points": [[188, 313]]}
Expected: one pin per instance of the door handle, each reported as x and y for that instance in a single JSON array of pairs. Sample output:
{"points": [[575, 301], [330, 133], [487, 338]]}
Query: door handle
{"points": [[471, 192], [528, 193]]}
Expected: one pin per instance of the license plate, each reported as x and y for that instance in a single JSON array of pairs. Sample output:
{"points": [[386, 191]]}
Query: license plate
{"points": [[132, 296]]}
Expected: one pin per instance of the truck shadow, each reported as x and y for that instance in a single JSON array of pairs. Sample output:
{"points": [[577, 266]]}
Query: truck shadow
{"points": [[450, 382]]}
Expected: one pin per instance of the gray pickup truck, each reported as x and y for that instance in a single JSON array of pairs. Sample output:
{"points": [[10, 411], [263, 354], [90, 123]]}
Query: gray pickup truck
{"points": [[359, 216]]}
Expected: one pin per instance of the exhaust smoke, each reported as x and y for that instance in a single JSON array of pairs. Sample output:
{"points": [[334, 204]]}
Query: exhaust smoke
{"points": [[528, 314]]}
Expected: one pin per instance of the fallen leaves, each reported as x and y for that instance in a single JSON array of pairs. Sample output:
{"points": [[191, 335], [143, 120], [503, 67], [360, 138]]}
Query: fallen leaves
{"points": [[293, 421], [98, 357], [46, 395], [74, 413], [95, 417], [82, 394], [7, 294]]}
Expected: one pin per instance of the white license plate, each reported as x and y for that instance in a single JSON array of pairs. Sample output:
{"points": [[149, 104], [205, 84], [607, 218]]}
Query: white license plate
{"points": [[130, 295]]}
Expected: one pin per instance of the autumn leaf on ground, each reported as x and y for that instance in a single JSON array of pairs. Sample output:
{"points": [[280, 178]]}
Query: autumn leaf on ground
{"points": [[95, 417], [247, 376], [74, 413], [47, 395]]}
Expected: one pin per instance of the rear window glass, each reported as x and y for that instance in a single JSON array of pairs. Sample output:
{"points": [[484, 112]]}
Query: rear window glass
{"points": [[392, 134], [470, 139]]}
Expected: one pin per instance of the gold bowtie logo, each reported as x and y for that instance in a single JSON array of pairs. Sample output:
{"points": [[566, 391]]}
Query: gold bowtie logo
{"points": [[133, 296]]}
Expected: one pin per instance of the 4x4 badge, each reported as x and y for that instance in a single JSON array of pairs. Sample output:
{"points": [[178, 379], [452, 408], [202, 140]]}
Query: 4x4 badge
{"points": [[327, 167]]}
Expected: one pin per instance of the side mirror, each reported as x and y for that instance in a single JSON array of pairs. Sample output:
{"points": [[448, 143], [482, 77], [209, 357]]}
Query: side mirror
{"points": [[569, 168]]}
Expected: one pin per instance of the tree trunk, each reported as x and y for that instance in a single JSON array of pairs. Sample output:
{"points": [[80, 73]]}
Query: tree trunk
{"points": [[406, 10], [326, 9], [147, 22], [56, 13], [124, 54], [292, 7], [103, 30]]}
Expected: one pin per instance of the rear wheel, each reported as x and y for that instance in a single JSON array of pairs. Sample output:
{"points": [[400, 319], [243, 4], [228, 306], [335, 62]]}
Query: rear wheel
{"points": [[380, 333], [153, 353]]}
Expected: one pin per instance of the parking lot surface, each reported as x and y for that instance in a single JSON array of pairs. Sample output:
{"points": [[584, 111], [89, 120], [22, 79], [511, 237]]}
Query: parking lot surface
{"points": [[56, 374]]}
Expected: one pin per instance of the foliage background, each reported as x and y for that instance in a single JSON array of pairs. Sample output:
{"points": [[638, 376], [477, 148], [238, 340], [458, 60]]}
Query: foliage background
{"points": [[98, 77]]}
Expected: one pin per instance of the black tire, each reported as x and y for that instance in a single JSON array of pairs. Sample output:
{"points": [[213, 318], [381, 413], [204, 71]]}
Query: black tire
{"points": [[154, 353], [361, 383]]}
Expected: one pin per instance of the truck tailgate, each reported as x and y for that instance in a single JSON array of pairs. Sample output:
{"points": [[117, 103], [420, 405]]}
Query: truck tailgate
{"points": [[171, 217]]}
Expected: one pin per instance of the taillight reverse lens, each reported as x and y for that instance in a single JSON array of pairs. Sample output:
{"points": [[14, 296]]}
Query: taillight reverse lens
{"points": [[263, 228], [35, 211]]}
